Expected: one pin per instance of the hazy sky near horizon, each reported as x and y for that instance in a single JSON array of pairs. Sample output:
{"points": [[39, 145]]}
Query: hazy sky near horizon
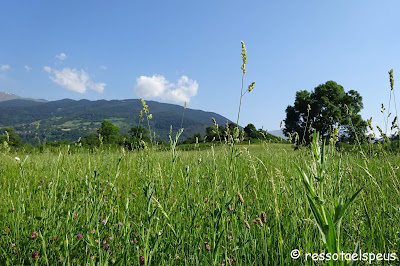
{"points": [[177, 51]]}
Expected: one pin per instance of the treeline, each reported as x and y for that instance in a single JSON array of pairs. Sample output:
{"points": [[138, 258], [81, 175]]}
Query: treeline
{"points": [[138, 137], [223, 133]]}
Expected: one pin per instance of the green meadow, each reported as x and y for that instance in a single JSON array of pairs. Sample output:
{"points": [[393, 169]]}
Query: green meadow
{"points": [[242, 204]]}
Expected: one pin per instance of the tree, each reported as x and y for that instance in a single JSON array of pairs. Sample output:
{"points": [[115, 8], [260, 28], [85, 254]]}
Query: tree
{"points": [[138, 137], [251, 131], [213, 133], [193, 139], [139, 132], [91, 140], [11, 136], [328, 106], [109, 132]]}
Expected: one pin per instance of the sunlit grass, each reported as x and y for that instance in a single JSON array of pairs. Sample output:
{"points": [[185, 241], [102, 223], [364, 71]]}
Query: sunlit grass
{"points": [[132, 204]]}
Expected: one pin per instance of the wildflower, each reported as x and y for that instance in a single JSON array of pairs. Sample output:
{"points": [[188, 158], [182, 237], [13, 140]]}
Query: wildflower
{"points": [[247, 224], [7, 230], [79, 236], [107, 246], [110, 238], [104, 221], [93, 231], [41, 180], [13, 244], [120, 223], [205, 200], [264, 217], [60, 260], [35, 255], [75, 216], [240, 197], [142, 260], [17, 159], [34, 235], [207, 246]]}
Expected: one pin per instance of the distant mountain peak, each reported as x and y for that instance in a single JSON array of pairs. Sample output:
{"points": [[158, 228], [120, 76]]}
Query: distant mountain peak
{"points": [[7, 96]]}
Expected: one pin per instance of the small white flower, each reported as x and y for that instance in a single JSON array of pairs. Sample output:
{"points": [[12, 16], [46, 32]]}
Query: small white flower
{"points": [[17, 159]]}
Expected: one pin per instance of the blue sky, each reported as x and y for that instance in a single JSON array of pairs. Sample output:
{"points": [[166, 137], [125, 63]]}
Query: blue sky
{"points": [[172, 51]]}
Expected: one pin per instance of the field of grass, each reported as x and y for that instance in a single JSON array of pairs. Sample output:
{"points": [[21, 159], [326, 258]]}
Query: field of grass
{"points": [[113, 206]]}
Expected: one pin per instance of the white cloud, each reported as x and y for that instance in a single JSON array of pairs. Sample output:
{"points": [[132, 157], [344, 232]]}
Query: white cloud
{"points": [[27, 68], [74, 80], [61, 56], [102, 67], [47, 69], [4, 67], [158, 87]]}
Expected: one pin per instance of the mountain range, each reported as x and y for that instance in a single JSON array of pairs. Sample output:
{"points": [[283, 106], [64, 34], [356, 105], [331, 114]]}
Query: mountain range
{"points": [[71, 119]]}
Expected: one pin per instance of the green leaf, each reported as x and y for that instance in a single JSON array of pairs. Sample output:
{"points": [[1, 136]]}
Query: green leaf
{"points": [[331, 236], [306, 181], [320, 221], [343, 208]]}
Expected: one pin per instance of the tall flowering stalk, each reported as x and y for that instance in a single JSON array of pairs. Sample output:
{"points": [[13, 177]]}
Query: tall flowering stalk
{"points": [[250, 87], [235, 134], [395, 123], [148, 117]]}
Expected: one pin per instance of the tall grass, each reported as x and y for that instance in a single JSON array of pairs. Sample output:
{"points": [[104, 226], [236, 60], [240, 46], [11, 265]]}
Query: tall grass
{"points": [[166, 215]]}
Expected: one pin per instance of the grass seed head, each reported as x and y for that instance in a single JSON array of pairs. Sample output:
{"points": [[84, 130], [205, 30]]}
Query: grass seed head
{"points": [[391, 79], [251, 86], [370, 123], [240, 198], [246, 223], [394, 123], [264, 217], [259, 222], [207, 246], [244, 57], [214, 122]]}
